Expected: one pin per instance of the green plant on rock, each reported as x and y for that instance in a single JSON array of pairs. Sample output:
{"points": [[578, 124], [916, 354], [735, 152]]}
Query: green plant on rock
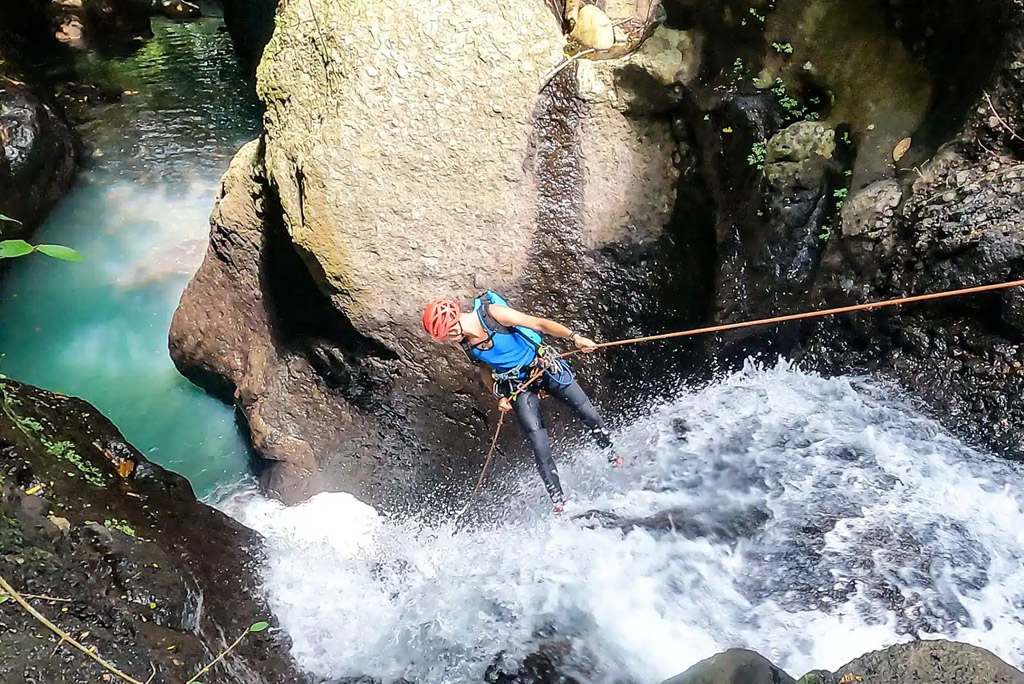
{"points": [[120, 526], [839, 196], [788, 103], [65, 450], [784, 48], [62, 449], [28, 426], [757, 155]]}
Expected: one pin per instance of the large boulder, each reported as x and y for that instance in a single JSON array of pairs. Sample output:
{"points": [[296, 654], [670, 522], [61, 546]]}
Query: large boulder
{"points": [[735, 666], [930, 662], [132, 564], [37, 153], [414, 151], [917, 662]]}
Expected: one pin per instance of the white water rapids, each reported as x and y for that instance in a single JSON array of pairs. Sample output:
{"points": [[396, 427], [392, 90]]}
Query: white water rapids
{"points": [[810, 519]]}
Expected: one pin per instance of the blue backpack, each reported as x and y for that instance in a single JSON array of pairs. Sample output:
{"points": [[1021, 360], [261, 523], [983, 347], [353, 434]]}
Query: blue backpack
{"points": [[494, 298]]}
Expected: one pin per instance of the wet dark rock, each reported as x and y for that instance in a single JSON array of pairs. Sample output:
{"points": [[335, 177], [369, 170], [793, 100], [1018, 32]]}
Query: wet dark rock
{"points": [[551, 658], [735, 666], [717, 525], [107, 26], [37, 153], [859, 226], [149, 576], [547, 665], [250, 23], [931, 662], [918, 662], [181, 10]]}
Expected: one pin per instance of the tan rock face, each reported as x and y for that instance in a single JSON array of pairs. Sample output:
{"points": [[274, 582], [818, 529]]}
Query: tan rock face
{"points": [[409, 154], [401, 173]]}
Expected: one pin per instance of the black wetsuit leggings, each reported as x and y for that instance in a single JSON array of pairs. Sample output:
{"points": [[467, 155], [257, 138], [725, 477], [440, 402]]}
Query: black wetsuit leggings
{"points": [[527, 408]]}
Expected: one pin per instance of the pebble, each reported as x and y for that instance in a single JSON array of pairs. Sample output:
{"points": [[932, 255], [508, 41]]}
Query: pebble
{"points": [[949, 196]]}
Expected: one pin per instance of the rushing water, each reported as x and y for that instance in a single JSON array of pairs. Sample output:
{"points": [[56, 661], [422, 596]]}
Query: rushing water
{"points": [[811, 519], [139, 214]]}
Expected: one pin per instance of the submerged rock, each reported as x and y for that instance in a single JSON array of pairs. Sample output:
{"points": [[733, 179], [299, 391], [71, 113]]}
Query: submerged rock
{"points": [[132, 564]]}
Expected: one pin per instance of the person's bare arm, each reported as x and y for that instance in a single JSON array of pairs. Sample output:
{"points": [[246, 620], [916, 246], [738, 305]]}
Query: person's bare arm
{"points": [[510, 317]]}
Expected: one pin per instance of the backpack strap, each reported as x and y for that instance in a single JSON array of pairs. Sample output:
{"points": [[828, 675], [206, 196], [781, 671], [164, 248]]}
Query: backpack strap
{"points": [[467, 349], [490, 323], [492, 327]]}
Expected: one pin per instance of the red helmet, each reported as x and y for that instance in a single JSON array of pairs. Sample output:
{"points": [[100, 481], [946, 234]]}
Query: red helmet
{"points": [[439, 317]]}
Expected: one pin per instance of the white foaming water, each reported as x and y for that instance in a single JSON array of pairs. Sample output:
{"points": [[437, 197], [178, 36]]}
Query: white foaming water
{"points": [[810, 519]]}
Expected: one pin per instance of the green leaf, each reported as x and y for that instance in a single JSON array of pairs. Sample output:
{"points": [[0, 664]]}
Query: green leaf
{"points": [[9, 219], [14, 248], [4, 599], [60, 252], [258, 627]]}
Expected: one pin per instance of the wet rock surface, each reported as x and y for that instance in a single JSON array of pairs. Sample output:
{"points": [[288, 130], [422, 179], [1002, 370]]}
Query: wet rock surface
{"points": [[37, 155], [37, 147], [558, 200], [736, 666], [832, 188], [129, 561], [919, 662]]}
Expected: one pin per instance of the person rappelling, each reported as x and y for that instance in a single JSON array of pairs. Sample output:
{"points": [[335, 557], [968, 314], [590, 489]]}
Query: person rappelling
{"points": [[517, 368]]}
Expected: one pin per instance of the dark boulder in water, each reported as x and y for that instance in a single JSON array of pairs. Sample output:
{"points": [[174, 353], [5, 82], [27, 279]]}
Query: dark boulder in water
{"points": [[37, 154], [735, 666], [919, 662], [142, 571], [931, 662]]}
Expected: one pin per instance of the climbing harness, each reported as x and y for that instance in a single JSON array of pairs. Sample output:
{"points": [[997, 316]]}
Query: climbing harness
{"points": [[540, 369]]}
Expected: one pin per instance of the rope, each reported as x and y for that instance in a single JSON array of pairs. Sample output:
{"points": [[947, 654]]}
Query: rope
{"points": [[487, 462], [805, 315], [539, 371]]}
